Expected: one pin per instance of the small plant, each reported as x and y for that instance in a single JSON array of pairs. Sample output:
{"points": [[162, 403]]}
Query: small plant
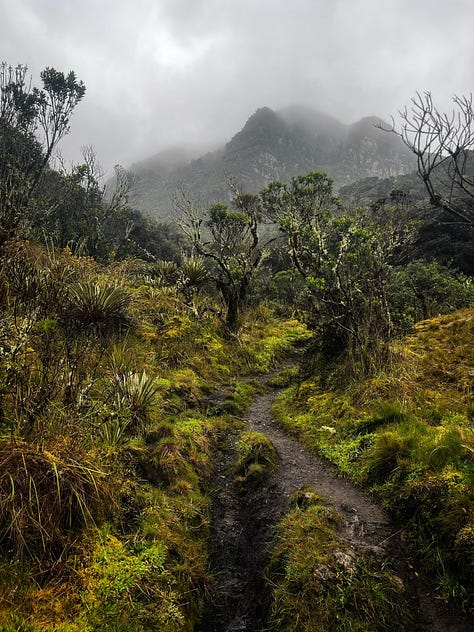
{"points": [[193, 271], [388, 453], [113, 431], [165, 271], [136, 392]]}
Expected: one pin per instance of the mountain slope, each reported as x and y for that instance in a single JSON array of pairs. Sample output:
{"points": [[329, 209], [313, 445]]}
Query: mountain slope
{"points": [[275, 145]]}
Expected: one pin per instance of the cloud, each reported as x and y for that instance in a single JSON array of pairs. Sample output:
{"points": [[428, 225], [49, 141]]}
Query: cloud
{"points": [[164, 72]]}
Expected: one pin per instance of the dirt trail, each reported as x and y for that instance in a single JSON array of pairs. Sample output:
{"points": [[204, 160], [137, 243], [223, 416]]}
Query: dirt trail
{"points": [[243, 527], [364, 524]]}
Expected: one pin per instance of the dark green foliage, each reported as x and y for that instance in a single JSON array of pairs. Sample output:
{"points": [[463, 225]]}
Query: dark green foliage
{"points": [[439, 238], [55, 207], [20, 163], [23, 111], [99, 306], [345, 263], [422, 289], [449, 243]]}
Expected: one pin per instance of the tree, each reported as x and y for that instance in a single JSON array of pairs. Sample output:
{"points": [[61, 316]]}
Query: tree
{"points": [[230, 239], [443, 144], [345, 263], [32, 123]]}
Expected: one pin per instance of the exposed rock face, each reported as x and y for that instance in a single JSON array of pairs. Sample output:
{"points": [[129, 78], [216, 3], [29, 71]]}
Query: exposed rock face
{"points": [[275, 145]]}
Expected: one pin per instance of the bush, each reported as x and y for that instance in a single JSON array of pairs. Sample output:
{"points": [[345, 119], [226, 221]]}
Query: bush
{"points": [[422, 289], [99, 306], [135, 392]]}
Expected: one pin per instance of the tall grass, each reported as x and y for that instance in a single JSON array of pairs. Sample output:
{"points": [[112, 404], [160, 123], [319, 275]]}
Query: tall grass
{"points": [[44, 497]]}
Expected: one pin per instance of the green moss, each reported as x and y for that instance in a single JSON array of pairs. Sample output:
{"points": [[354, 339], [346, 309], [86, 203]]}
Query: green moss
{"points": [[284, 378], [408, 434], [243, 393], [320, 584], [256, 458]]}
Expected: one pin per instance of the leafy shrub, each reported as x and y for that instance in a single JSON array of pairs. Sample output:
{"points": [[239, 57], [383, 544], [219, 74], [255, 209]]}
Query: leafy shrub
{"points": [[113, 431], [464, 548], [424, 289], [126, 588]]}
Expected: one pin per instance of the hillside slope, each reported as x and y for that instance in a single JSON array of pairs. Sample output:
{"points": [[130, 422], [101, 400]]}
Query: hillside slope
{"points": [[275, 145]]}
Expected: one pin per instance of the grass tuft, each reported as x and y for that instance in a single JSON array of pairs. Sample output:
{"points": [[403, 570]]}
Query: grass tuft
{"points": [[45, 497], [256, 458], [322, 585]]}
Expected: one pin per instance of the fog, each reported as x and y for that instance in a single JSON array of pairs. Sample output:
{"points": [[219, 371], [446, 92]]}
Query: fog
{"points": [[160, 73]]}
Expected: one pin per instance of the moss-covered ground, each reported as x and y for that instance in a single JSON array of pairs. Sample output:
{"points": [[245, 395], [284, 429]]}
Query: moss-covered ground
{"points": [[407, 433], [107, 383]]}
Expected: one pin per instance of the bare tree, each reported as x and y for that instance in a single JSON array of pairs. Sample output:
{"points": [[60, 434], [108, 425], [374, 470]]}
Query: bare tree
{"points": [[125, 189], [443, 144]]}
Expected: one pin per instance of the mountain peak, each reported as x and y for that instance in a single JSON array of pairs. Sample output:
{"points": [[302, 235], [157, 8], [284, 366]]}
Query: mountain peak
{"points": [[276, 145], [264, 126], [263, 118]]}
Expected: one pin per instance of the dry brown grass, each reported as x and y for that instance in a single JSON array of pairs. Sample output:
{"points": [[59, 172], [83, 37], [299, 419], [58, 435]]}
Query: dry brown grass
{"points": [[45, 497]]}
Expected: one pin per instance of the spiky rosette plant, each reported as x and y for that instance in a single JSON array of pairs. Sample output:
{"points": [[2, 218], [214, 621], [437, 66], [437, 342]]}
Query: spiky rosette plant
{"points": [[136, 392], [100, 306], [194, 271], [165, 271]]}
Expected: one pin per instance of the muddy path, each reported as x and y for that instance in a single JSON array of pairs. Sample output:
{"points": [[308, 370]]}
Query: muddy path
{"points": [[243, 528]]}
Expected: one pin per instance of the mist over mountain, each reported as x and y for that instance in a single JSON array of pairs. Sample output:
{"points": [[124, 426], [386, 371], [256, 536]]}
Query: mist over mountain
{"points": [[273, 145]]}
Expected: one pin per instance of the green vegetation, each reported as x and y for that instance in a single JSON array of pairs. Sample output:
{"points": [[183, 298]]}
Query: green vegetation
{"points": [[235, 251], [107, 444], [127, 354], [320, 583], [256, 458], [408, 434]]}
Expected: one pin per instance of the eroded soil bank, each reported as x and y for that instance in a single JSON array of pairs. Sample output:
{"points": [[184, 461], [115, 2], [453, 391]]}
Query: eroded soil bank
{"points": [[243, 527]]}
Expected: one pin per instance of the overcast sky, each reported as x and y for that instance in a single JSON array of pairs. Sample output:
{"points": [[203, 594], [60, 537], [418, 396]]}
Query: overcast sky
{"points": [[166, 72]]}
